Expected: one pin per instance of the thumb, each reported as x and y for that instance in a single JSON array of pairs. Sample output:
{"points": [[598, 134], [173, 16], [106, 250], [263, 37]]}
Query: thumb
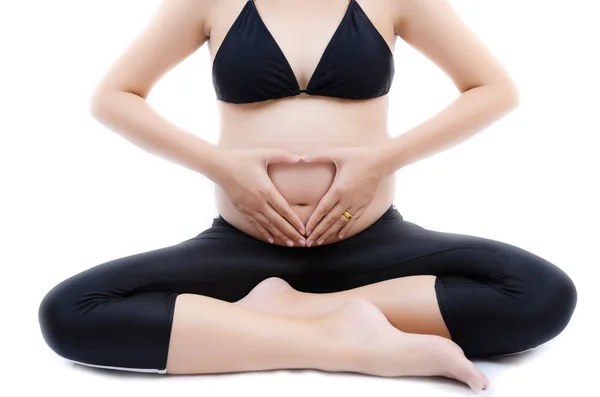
{"points": [[281, 156]]}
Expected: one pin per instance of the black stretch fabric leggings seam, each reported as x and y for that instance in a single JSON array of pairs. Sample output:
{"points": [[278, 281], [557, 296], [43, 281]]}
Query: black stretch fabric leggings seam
{"points": [[495, 298]]}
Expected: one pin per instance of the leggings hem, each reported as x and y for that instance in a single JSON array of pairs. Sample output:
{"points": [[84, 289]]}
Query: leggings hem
{"points": [[168, 326], [439, 286], [141, 370]]}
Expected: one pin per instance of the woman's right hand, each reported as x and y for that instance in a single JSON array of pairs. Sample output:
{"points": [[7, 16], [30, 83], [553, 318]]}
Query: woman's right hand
{"points": [[246, 182]]}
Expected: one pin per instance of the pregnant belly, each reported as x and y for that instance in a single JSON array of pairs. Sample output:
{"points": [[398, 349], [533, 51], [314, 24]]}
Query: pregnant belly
{"points": [[303, 186]]}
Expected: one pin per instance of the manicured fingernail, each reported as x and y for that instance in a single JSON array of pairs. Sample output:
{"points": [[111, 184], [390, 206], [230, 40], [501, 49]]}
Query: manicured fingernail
{"points": [[341, 236], [320, 242], [271, 240], [308, 232], [290, 243], [302, 242], [309, 243]]}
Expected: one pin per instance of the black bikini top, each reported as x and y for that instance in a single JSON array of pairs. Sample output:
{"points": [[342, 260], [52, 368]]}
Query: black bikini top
{"points": [[250, 66]]}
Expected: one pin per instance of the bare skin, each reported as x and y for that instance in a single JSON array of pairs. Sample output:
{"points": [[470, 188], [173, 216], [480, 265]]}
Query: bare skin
{"points": [[302, 30], [267, 191], [211, 336], [409, 303]]}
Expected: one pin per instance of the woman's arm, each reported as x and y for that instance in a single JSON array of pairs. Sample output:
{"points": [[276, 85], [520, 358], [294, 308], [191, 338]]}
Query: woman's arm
{"points": [[176, 30], [487, 91]]}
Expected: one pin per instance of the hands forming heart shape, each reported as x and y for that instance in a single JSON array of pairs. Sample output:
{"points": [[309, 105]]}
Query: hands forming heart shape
{"points": [[243, 176]]}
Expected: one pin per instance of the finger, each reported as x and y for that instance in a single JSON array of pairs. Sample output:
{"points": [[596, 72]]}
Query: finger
{"points": [[281, 156], [325, 205], [328, 220], [355, 215], [289, 233], [340, 223], [280, 205], [272, 228], [260, 228]]}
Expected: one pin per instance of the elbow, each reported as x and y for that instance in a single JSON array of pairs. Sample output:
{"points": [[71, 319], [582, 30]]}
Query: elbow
{"points": [[104, 102], [501, 91], [513, 96], [98, 104], [508, 94]]}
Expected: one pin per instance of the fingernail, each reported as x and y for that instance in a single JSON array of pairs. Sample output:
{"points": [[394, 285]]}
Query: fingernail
{"points": [[341, 236], [271, 240], [309, 243], [320, 242], [290, 243], [302, 242], [308, 232]]}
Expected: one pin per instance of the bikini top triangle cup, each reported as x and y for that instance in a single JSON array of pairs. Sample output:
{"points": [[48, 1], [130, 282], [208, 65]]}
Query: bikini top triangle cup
{"points": [[249, 66]]}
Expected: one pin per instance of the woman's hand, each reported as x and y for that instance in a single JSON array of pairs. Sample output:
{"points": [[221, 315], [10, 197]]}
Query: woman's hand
{"points": [[359, 174], [246, 182]]}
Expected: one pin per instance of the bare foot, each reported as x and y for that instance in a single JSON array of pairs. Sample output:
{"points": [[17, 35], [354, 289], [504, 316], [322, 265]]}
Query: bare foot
{"points": [[272, 295], [373, 346], [376, 346]]}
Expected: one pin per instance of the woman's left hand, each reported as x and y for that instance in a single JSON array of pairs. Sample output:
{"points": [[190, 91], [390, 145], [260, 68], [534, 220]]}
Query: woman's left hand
{"points": [[358, 176]]}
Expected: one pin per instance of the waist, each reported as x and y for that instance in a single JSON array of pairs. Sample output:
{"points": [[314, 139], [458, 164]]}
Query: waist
{"points": [[391, 213], [303, 186]]}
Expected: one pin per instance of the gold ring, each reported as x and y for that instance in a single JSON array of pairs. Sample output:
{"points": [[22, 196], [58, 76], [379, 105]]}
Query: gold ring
{"points": [[347, 214]]}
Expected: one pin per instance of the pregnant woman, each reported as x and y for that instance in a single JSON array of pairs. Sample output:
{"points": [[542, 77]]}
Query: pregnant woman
{"points": [[308, 263]]}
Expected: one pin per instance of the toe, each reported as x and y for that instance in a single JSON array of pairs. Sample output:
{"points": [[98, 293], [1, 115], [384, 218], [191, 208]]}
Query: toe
{"points": [[469, 374], [486, 382]]}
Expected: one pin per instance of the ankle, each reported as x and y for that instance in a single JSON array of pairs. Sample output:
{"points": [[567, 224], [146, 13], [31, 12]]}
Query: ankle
{"points": [[339, 353]]}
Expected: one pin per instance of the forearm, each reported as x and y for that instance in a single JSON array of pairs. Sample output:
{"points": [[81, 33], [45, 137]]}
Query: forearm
{"points": [[470, 113], [134, 119]]}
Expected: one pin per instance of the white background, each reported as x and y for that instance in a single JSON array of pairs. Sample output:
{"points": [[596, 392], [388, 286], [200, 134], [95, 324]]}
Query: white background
{"points": [[74, 194]]}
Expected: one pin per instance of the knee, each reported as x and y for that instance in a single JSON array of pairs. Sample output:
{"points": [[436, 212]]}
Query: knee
{"points": [[58, 320], [560, 297], [547, 305]]}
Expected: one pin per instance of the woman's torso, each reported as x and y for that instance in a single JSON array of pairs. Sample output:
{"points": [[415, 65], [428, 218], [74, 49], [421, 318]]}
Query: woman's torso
{"points": [[303, 123]]}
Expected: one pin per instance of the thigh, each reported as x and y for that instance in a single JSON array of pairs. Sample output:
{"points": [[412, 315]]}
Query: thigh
{"points": [[119, 313], [495, 298], [221, 262], [393, 248]]}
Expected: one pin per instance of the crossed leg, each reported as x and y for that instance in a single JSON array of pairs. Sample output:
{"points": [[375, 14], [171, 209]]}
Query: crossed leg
{"points": [[383, 302], [349, 333], [490, 297], [211, 336], [415, 309]]}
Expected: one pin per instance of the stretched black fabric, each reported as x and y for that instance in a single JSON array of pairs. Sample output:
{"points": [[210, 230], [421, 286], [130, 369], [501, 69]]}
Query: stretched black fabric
{"points": [[495, 298], [249, 65]]}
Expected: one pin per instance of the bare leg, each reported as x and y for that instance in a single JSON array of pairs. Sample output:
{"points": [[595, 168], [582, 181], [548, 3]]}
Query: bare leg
{"points": [[409, 303], [212, 336]]}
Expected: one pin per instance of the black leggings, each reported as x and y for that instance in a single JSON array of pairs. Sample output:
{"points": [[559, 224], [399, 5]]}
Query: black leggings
{"points": [[495, 298]]}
